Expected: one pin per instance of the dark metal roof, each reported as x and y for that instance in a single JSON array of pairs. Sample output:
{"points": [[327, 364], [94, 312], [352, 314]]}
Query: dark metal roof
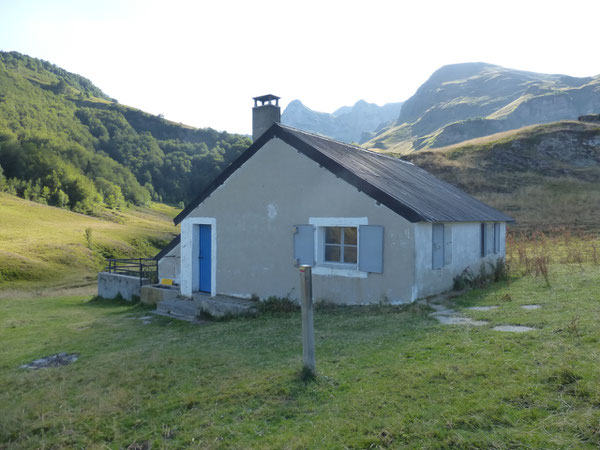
{"points": [[403, 187], [170, 246]]}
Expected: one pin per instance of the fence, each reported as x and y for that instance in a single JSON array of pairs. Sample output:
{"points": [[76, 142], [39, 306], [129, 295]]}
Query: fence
{"points": [[137, 267]]}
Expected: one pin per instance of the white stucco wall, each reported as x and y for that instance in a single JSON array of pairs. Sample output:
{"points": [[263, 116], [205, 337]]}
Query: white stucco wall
{"points": [[169, 265], [254, 212], [466, 252]]}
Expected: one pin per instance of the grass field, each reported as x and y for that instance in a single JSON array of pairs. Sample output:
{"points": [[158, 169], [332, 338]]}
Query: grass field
{"points": [[388, 376], [42, 245]]}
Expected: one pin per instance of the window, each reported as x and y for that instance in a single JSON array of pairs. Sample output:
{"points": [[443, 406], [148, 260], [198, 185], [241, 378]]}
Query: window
{"points": [[441, 245], [496, 238], [490, 238], [341, 245]]}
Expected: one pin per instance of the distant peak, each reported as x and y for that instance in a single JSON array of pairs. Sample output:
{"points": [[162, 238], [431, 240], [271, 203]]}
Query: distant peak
{"points": [[295, 105], [460, 70]]}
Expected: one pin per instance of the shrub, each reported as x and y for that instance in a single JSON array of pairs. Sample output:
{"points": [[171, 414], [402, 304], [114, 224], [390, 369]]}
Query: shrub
{"points": [[466, 279], [463, 280], [541, 267], [500, 270], [88, 233], [277, 305]]}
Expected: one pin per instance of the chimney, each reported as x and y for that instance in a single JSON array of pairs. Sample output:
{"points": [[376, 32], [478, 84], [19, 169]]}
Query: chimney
{"points": [[264, 114]]}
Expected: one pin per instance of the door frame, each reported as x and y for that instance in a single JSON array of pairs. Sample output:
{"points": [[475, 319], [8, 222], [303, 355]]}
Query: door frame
{"points": [[190, 246]]}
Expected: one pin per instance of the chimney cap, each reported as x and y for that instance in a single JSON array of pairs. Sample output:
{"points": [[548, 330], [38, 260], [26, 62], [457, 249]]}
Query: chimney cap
{"points": [[266, 99]]}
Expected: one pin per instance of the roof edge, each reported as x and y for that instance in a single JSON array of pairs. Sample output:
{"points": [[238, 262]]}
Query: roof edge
{"points": [[170, 246]]}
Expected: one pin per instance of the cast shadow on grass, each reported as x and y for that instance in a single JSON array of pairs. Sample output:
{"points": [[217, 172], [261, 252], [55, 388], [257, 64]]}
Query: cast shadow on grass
{"points": [[128, 305]]}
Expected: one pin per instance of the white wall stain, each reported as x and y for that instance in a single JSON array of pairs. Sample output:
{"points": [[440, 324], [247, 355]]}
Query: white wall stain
{"points": [[272, 211]]}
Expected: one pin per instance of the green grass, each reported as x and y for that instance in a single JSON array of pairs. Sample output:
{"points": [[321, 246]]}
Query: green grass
{"points": [[387, 376], [43, 245]]}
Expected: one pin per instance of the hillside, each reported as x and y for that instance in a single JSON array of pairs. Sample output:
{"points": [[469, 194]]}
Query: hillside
{"points": [[46, 246], [464, 101], [354, 123], [542, 175], [65, 143]]}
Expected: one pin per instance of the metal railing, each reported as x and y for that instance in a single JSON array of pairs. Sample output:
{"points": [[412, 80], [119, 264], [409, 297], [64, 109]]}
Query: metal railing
{"points": [[137, 267]]}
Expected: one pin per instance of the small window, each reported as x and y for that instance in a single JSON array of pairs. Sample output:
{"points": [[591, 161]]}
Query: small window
{"points": [[341, 245], [496, 238]]}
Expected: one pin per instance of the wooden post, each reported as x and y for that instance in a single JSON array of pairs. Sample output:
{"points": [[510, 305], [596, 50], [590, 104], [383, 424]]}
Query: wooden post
{"points": [[308, 329]]}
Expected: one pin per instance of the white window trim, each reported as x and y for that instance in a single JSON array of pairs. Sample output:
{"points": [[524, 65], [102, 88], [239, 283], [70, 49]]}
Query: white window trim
{"points": [[188, 267], [332, 269]]}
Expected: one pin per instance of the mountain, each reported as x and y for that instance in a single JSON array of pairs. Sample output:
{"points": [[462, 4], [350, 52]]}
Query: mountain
{"points": [[464, 101], [347, 124], [65, 143], [542, 175]]}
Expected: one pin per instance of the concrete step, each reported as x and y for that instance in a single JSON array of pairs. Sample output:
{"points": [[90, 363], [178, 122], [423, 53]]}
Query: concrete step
{"points": [[222, 305], [180, 309]]}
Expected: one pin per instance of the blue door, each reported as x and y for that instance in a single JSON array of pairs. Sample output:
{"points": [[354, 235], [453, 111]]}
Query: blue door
{"points": [[204, 258]]}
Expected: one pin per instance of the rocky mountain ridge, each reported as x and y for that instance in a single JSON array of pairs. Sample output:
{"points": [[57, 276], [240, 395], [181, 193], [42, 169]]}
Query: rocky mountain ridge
{"points": [[464, 101], [348, 124]]}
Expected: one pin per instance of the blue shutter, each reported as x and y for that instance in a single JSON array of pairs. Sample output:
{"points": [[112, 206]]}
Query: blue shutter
{"points": [[370, 248], [437, 245], [447, 245], [483, 240], [304, 245]]}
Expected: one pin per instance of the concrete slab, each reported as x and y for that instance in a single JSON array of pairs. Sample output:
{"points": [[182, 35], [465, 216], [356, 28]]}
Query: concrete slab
{"points": [[513, 328], [185, 319], [222, 305], [482, 308], [531, 306], [185, 309], [152, 294], [459, 320]]}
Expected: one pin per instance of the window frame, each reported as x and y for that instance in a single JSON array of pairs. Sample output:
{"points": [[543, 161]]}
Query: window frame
{"points": [[323, 267]]}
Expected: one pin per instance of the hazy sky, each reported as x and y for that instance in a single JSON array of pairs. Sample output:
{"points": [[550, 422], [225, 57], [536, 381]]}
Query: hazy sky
{"points": [[200, 62]]}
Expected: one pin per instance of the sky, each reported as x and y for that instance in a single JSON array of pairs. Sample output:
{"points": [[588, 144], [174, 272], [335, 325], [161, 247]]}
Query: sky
{"points": [[201, 62]]}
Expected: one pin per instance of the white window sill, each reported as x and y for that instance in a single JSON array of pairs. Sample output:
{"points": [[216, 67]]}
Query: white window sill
{"points": [[338, 271]]}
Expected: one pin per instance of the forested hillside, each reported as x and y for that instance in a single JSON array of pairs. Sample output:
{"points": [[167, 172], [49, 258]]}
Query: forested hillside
{"points": [[65, 143]]}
